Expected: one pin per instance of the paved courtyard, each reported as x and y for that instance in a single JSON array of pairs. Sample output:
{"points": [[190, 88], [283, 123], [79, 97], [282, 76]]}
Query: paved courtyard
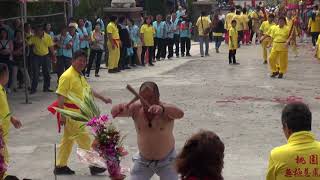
{"points": [[240, 103]]}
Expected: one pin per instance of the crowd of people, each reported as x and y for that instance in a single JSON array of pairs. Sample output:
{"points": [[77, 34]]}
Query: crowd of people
{"points": [[202, 156], [128, 43], [277, 31]]}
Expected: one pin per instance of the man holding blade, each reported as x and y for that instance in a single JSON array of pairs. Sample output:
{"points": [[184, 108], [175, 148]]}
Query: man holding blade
{"points": [[154, 123]]}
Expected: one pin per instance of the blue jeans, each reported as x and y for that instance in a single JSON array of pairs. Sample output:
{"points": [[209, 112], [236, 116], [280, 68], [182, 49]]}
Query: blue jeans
{"points": [[204, 40], [144, 169], [217, 40], [44, 63]]}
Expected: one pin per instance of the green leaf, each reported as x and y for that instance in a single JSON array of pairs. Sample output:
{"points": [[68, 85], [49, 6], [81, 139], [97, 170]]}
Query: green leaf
{"points": [[5, 117], [73, 115]]}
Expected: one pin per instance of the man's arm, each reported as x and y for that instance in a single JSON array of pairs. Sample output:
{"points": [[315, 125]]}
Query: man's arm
{"points": [[172, 111], [166, 110], [123, 110], [15, 122], [102, 98], [53, 54], [271, 173]]}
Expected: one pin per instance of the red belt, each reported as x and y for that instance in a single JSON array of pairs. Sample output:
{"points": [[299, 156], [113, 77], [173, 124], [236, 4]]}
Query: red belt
{"points": [[54, 112], [115, 41]]}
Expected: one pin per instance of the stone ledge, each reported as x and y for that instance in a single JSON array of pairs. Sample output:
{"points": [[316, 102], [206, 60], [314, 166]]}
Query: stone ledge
{"points": [[133, 9]]}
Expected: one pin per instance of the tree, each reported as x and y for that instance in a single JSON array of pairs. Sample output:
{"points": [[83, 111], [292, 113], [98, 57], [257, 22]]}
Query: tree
{"points": [[154, 7], [89, 8]]}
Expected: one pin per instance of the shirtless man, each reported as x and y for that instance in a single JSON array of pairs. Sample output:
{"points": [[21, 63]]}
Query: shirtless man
{"points": [[154, 123]]}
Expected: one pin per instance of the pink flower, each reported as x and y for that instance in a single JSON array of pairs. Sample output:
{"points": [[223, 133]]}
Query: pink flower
{"points": [[104, 118], [122, 152], [92, 122]]}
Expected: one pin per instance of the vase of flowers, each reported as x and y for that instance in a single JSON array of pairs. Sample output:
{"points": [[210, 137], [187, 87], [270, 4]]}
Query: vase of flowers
{"points": [[108, 142]]}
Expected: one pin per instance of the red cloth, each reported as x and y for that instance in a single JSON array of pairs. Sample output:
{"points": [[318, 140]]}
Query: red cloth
{"points": [[54, 112], [116, 41]]}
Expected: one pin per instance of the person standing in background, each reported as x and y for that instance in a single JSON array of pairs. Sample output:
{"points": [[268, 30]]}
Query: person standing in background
{"points": [[6, 48], [88, 26], [147, 32], [233, 43], [246, 31], [64, 52], [84, 36], [125, 43], [48, 30], [239, 28], [18, 59], [256, 22], [314, 28], [169, 36], [218, 30], [42, 45], [265, 40], [159, 39], [136, 42], [180, 12], [97, 47], [185, 36], [99, 20], [113, 44], [176, 36], [75, 37], [280, 41], [227, 23], [204, 24]]}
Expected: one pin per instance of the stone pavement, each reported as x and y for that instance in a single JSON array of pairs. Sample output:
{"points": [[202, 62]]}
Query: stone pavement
{"points": [[240, 103]]}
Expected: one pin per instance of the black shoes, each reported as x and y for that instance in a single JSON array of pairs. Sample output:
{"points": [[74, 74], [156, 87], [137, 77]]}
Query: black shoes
{"points": [[275, 74], [188, 55], [48, 90], [265, 62], [151, 64], [113, 70], [96, 170], [65, 170], [280, 76]]}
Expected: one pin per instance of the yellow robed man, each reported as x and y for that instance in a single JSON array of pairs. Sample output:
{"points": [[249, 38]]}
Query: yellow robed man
{"points": [[113, 45], [73, 82], [265, 40], [5, 112], [299, 159]]}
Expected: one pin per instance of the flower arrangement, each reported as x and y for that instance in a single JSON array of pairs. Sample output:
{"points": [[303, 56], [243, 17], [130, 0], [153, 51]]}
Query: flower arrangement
{"points": [[108, 143], [108, 139]]}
